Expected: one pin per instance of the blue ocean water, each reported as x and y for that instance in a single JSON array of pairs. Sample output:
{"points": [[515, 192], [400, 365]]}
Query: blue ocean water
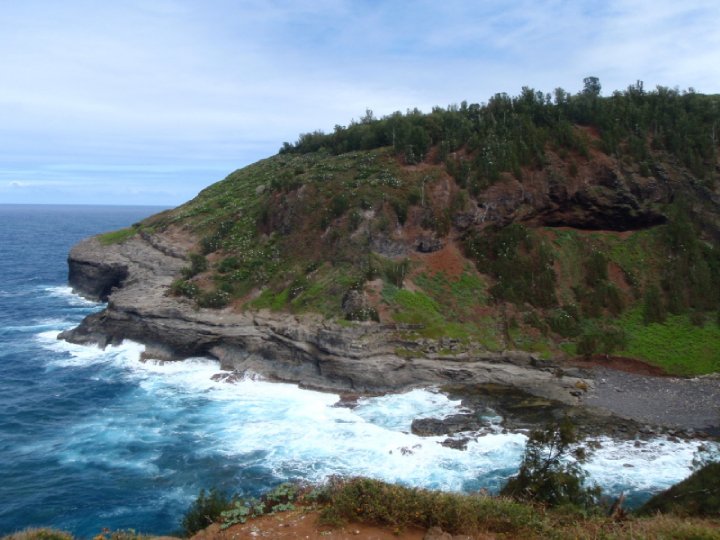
{"points": [[92, 439]]}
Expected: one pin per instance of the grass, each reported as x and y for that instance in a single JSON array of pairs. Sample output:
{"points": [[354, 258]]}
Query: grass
{"points": [[446, 307], [398, 507], [676, 345], [116, 237], [417, 308]]}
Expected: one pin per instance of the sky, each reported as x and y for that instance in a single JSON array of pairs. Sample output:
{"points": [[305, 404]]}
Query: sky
{"points": [[149, 101]]}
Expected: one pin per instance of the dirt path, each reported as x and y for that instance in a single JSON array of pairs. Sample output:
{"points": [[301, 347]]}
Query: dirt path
{"points": [[301, 524]]}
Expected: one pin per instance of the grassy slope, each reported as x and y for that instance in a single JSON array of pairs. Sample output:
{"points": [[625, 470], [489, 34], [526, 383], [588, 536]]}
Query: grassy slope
{"points": [[298, 231]]}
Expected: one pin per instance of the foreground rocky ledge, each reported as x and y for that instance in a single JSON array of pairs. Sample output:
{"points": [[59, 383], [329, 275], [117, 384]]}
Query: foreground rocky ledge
{"points": [[134, 277]]}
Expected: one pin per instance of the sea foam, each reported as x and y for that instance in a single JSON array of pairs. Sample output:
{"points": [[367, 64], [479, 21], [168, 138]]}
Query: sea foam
{"points": [[293, 433]]}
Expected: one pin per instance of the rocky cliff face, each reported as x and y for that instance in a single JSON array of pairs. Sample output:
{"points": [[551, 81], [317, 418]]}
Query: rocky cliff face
{"points": [[134, 277]]}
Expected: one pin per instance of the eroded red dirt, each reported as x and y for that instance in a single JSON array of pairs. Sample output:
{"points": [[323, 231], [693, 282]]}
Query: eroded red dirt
{"points": [[619, 363], [301, 524]]}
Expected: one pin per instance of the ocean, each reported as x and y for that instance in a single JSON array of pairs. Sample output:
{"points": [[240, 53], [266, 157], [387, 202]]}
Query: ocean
{"points": [[93, 439]]}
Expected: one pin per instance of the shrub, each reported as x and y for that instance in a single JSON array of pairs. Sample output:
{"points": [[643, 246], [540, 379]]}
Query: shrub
{"points": [[698, 495], [229, 264], [564, 321], [394, 272], [198, 264], [550, 471], [605, 340], [653, 309], [339, 205], [204, 511], [519, 260], [373, 501], [214, 299], [279, 499], [181, 287], [401, 210]]}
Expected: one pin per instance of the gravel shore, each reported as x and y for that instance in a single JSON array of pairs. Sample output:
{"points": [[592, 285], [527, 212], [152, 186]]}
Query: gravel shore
{"points": [[687, 404]]}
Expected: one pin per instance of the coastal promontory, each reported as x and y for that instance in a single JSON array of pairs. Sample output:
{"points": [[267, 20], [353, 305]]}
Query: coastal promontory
{"points": [[565, 245]]}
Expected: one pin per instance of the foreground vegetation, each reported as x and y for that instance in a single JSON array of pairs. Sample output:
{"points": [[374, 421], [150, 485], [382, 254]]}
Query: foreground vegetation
{"points": [[362, 500], [548, 498]]}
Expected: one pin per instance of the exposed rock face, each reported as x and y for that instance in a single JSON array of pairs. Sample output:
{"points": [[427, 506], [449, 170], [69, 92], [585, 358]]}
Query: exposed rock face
{"points": [[134, 276], [95, 279]]}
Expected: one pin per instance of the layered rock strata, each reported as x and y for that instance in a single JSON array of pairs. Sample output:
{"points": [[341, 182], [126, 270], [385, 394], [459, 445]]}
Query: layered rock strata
{"points": [[134, 277]]}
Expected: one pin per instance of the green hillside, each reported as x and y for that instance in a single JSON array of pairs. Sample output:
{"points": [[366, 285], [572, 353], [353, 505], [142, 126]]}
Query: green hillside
{"points": [[564, 225]]}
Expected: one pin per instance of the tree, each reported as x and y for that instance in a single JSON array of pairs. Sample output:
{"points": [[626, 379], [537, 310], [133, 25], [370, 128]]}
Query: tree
{"points": [[204, 511], [653, 308], [550, 471], [591, 86]]}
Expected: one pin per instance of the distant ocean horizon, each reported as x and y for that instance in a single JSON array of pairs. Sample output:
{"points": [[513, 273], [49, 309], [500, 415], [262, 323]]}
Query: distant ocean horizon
{"points": [[92, 439]]}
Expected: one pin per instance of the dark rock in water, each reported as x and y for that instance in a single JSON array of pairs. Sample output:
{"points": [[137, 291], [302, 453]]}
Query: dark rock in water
{"points": [[348, 401], [457, 444], [449, 425]]}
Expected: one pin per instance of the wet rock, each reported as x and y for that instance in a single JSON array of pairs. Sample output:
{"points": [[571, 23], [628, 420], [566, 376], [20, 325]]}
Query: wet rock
{"points": [[456, 443], [449, 425]]}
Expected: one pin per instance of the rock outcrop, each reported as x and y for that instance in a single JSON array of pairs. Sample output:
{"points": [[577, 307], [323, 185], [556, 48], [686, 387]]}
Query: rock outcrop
{"points": [[135, 276]]}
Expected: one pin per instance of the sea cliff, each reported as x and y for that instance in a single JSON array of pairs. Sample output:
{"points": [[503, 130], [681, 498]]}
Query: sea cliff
{"points": [[135, 276]]}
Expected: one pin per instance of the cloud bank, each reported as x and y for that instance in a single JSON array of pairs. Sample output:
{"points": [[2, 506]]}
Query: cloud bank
{"points": [[148, 102]]}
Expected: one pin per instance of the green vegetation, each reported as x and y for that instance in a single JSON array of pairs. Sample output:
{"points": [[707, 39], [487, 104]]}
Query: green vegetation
{"points": [[546, 474], [204, 511], [677, 345], [398, 507], [116, 237], [698, 495], [520, 261], [509, 133], [279, 499], [346, 224], [441, 318]]}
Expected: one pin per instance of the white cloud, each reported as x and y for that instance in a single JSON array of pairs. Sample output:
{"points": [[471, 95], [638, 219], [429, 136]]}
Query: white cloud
{"points": [[180, 91]]}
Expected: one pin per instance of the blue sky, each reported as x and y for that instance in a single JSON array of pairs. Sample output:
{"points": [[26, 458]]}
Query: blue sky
{"points": [[149, 101]]}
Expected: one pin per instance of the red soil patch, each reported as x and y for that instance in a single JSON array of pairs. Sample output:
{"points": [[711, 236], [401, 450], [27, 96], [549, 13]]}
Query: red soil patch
{"points": [[617, 277], [299, 524], [619, 363], [373, 290], [448, 260]]}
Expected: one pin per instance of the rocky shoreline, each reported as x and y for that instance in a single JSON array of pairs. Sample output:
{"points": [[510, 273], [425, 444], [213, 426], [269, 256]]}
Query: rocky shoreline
{"points": [[135, 275]]}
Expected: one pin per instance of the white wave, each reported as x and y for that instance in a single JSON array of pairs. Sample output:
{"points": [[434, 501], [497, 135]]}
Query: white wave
{"points": [[72, 298], [73, 355], [397, 411], [651, 465], [297, 433], [43, 324]]}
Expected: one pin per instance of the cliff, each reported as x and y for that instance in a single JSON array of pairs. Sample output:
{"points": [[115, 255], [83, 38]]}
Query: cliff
{"points": [[304, 349], [478, 244]]}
